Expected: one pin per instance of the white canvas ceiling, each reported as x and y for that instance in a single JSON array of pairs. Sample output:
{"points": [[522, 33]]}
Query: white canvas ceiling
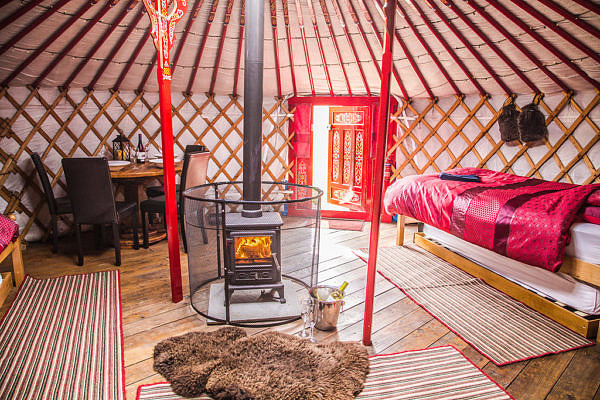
{"points": [[75, 45]]}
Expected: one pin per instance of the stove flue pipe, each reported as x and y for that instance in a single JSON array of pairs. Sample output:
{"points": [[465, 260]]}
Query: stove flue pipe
{"points": [[253, 99]]}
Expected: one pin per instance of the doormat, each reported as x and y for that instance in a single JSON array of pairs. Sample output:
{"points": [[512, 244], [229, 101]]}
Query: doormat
{"points": [[63, 337], [345, 224], [499, 327], [438, 372]]}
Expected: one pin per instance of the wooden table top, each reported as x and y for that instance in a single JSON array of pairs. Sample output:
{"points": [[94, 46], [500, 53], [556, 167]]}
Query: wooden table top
{"points": [[137, 171]]}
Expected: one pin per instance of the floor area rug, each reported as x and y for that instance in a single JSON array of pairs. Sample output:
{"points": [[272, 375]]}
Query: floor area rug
{"points": [[499, 327], [344, 224], [435, 373], [62, 339]]}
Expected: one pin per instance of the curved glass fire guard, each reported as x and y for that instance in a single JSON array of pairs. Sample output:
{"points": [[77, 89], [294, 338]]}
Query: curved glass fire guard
{"points": [[251, 271]]}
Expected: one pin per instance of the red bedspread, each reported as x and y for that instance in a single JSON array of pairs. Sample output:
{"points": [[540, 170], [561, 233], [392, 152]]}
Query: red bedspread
{"points": [[9, 231], [522, 218]]}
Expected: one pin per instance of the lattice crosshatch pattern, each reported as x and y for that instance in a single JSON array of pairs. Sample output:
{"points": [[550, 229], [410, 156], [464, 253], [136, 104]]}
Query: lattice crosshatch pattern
{"points": [[76, 123], [435, 135]]}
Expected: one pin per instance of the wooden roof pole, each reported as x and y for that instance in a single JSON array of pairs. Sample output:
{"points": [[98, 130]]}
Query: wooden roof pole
{"points": [[342, 21], [162, 22], [572, 18], [239, 50], [370, 20], [71, 44], [517, 44], [34, 24], [98, 44], [288, 39], [428, 50], [215, 73], [129, 64], [57, 33], [115, 49], [186, 31], [589, 5], [19, 12], [496, 50], [469, 47], [335, 44], [146, 76], [211, 18], [382, 134], [275, 45], [303, 34], [319, 44], [525, 28], [448, 49], [559, 31]]}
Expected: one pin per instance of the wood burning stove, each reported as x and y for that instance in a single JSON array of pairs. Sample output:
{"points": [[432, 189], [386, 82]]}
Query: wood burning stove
{"points": [[253, 253]]}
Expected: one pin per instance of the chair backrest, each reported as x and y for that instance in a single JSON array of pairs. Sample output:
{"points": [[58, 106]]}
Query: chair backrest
{"points": [[41, 171], [195, 148], [193, 172], [90, 190]]}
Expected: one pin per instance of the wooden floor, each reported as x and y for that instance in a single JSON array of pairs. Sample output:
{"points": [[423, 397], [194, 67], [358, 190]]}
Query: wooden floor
{"points": [[399, 324]]}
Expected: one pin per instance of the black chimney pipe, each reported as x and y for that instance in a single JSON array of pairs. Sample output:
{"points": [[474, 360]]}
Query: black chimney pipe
{"points": [[253, 99]]}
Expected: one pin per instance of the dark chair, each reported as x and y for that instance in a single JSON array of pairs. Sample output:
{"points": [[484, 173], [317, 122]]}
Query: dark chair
{"points": [[93, 200], [193, 173], [56, 206], [155, 191]]}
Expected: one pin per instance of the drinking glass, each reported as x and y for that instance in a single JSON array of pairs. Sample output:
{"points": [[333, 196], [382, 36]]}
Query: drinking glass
{"points": [[305, 312], [313, 321]]}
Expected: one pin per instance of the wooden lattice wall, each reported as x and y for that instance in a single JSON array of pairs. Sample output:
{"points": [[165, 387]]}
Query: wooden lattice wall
{"points": [[436, 135], [69, 123]]}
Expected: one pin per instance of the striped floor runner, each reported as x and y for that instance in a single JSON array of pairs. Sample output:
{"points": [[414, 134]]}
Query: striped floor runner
{"points": [[62, 339], [499, 327], [436, 373]]}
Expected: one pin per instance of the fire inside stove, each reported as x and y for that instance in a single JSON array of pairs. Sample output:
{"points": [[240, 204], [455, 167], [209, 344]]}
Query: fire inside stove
{"points": [[250, 249]]}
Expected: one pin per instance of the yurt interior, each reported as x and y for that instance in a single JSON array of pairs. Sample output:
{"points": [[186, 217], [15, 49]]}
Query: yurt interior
{"points": [[299, 199]]}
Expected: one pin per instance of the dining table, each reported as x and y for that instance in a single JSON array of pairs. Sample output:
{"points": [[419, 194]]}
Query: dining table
{"points": [[134, 177]]}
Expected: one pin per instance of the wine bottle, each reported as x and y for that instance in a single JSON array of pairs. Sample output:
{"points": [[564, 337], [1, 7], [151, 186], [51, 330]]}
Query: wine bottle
{"points": [[338, 294], [140, 154]]}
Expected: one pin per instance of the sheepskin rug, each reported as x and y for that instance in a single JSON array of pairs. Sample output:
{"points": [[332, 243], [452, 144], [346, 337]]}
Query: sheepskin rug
{"points": [[227, 364]]}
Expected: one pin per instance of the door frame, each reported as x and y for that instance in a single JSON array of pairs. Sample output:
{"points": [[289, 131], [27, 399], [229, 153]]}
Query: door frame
{"points": [[369, 101]]}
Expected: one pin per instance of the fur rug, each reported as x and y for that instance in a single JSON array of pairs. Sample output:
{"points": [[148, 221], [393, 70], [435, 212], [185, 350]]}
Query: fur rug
{"points": [[227, 364]]}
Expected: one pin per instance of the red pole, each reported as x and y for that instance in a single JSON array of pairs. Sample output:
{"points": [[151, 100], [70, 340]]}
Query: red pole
{"points": [[382, 134]]}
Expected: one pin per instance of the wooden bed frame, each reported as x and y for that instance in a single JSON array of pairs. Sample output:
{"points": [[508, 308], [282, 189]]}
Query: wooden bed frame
{"points": [[14, 249], [585, 271]]}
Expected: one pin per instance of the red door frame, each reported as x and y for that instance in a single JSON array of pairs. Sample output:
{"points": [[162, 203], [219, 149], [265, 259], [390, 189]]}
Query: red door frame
{"points": [[373, 104]]}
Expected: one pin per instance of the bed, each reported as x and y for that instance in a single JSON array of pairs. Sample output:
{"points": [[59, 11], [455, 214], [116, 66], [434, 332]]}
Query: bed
{"points": [[514, 232]]}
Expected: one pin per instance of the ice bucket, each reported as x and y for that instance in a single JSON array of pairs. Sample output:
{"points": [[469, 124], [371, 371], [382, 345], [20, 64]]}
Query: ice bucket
{"points": [[325, 312]]}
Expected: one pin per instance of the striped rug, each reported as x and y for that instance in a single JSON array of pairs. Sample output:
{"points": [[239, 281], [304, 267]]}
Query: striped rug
{"points": [[62, 339], [436, 373], [499, 327]]}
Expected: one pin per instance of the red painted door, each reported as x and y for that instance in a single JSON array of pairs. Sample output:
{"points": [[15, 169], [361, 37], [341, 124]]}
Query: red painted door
{"points": [[347, 157]]}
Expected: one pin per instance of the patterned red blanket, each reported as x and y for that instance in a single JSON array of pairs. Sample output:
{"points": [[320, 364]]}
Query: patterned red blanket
{"points": [[526, 219], [9, 231]]}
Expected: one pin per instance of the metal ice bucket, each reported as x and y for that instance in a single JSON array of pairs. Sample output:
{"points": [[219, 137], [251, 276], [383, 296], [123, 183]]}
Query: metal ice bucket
{"points": [[325, 312]]}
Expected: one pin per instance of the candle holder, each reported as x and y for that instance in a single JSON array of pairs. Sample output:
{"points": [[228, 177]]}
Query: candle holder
{"points": [[121, 148]]}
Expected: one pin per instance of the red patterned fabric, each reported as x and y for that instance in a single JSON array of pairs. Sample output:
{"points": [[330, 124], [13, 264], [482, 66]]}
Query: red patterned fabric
{"points": [[9, 231], [523, 218], [594, 199], [591, 214]]}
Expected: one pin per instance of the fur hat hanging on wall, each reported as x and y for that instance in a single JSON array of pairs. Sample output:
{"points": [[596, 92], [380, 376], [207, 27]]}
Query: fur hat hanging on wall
{"points": [[507, 121], [532, 124]]}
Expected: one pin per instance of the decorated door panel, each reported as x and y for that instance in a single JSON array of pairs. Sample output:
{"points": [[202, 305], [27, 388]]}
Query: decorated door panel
{"points": [[346, 157]]}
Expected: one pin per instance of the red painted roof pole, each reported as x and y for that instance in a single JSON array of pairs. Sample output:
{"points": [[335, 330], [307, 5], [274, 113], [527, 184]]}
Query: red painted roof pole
{"points": [[335, 44], [382, 134], [448, 49], [589, 5], [286, 19], [319, 44], [518, 45], [129, 64], [162, 22], [549, 24], [340, 17], [220, 49], [186, 31], [469, 47], [19, 12], [239, 51], [146, 76], [275, 45], [574, 19], [544, 43], [303, 34], [211, 18], [98, 44], [495, 49], [429, 51]]}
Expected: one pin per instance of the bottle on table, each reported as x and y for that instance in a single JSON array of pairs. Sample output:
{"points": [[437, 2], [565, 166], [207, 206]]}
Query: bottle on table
{"points": [[338, 294], [140, 152]]}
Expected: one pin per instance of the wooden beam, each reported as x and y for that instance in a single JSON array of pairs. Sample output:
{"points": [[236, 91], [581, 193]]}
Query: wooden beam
{"points": [[319, 44], [132, 59], [239, 51], [211, 18], [273, 5], [327, 17], [19, 12], [288, 38], [186, 31], [304, 45], [226, 19]]}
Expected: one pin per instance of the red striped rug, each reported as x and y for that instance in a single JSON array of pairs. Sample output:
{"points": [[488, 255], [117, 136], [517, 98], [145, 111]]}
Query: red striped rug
{"points": [[62, 339], [499, 327], [435, 373]]}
